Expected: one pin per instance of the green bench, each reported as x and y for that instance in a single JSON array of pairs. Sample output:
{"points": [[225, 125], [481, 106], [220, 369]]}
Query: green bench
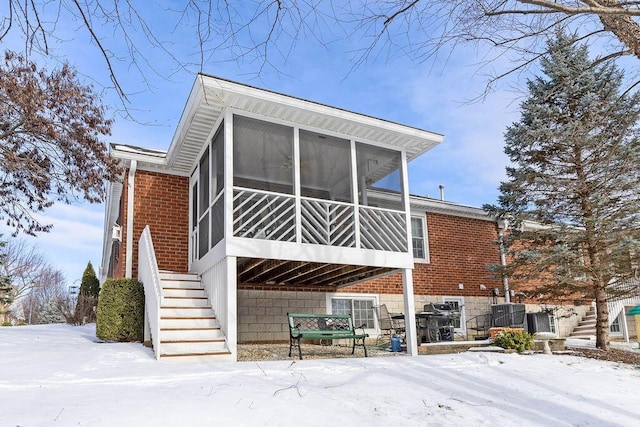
{"points": [[303, 326]]}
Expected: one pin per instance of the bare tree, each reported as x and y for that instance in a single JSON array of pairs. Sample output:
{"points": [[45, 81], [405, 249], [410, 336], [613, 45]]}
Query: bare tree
{"points": [[45, 295], [50, 130], [265, 33], [23, 264], [31, 281]]}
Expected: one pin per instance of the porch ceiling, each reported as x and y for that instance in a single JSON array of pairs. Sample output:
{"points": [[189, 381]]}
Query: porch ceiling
{"points": [[211, 95], [297, 273]]}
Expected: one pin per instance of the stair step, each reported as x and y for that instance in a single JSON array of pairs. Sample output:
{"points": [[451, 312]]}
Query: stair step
{"points": [[183, 292], [185, 302], [168, 275], [583, 337], [182, 334], [178, 311], [180, 284], [192, 347], [188, 322], [583, 329], [210, 357]]}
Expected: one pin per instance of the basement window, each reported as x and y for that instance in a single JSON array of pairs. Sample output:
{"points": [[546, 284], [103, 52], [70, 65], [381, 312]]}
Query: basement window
{"points": [[361, 307]]}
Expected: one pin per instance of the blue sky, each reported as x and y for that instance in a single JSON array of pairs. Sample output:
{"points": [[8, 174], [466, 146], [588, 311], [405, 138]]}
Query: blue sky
{"points": [[432, 95]]}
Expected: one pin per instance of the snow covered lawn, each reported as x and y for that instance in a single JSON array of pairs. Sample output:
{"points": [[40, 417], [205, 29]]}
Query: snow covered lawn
{"points": [[58, 375]]}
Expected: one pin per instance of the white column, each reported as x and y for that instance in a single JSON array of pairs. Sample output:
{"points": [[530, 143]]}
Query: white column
{"points": [[231, 267], [409, 312]]}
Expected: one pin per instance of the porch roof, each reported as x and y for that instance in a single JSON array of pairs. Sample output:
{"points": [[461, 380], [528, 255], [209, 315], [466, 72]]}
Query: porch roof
{"points": [[210, 96]]}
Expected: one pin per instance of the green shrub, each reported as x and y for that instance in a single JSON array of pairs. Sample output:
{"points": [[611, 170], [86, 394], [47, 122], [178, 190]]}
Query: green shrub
{"points": [[514, 339], [120, 313], [7, 324]]}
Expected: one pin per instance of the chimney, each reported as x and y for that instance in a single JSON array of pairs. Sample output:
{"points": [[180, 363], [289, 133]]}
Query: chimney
{"points": [[441, 192]]}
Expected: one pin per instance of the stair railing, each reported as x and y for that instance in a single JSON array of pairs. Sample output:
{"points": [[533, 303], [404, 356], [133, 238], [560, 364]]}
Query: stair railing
{"points": [[149, 275]]}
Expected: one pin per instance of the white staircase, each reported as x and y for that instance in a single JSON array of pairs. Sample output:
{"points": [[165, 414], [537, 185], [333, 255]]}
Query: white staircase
{"points": [[189, 330]]}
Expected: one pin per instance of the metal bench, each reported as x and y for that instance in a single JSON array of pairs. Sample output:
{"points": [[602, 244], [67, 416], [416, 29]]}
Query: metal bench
{"points": [[303, 326]]}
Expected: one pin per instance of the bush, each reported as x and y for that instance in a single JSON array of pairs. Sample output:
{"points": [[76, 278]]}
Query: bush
{"points": [[514, 339], [120, 313]]}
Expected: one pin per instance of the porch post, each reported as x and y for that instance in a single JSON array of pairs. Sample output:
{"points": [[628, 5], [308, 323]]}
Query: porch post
{"points": [[231, 264], [409, 312]]}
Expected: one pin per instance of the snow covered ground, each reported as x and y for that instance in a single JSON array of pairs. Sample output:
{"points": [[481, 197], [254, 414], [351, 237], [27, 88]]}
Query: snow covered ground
{"points": [[59, 375]]}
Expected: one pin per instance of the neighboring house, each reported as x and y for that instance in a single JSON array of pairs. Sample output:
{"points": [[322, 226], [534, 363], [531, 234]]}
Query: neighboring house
{"points": [[275, 204]]}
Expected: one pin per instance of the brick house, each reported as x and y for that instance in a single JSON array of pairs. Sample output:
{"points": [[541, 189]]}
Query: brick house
{"points": [[266, 204]]}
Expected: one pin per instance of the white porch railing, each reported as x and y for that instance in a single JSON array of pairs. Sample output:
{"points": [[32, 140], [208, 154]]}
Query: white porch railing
{"points": [[622, 294], [383, 230], [149, 275], [328, 223], [266, 215]]}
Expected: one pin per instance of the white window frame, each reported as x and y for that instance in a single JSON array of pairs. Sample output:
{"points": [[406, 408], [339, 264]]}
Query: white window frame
{"points": [[364, 297], [463, 317], [553, 323], [425, 239], [617, 324]]}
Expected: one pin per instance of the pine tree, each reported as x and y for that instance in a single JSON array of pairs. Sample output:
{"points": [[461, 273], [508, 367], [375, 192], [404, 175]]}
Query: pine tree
{"points": [[51, 312], [88, 296], [575, 155], [90, 285]]}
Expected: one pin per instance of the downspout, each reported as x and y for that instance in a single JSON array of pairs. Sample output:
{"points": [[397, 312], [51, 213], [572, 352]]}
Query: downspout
{"points": [[130, 192], [503, 225]]}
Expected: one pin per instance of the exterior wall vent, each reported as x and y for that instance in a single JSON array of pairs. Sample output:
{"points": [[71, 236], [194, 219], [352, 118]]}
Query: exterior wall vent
{"points": [[116, 233]]}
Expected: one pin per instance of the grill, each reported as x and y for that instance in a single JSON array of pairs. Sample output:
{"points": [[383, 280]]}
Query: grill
{"points": [[435, 322]]}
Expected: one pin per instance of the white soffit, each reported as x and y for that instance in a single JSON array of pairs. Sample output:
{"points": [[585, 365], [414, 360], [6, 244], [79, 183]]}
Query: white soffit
{"points": [[211, 95]]}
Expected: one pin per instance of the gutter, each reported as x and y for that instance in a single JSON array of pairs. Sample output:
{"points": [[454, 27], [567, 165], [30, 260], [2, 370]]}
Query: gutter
{"points": [[130, 192], [503, 225]]}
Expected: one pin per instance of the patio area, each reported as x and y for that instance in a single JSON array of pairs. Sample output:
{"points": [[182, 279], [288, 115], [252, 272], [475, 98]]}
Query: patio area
{"points": [[280, 351]]}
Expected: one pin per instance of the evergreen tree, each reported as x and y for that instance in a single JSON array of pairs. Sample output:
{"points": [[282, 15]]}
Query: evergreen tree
{"points": [[51, 313], [90, 285], [575, 155], [88, 296]]}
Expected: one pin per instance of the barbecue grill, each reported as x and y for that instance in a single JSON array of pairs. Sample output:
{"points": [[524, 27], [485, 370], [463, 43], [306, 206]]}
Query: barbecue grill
{"points": [[435, 322]]}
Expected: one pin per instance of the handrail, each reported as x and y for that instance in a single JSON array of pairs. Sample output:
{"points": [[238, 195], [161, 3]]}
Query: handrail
{"points": [[149, 275]]}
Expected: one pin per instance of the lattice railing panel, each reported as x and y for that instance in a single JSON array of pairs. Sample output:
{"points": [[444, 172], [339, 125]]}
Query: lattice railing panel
{"points": [[263, 216], [326, 223], [383, 230]]}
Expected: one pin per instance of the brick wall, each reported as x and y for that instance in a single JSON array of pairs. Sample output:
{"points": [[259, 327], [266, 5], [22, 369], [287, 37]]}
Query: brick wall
{"points": [[460, 250], [162, 202]]}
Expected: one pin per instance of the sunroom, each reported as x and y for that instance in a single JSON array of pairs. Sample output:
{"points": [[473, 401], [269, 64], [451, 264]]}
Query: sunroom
{"points": [[290, 194]]}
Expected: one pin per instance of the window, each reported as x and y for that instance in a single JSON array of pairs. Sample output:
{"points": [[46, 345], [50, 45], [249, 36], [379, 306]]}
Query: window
{"points": [[552, 322], [360, 307], [615, 326], [379, 177], [419, 239], [325, 167], [262, 155], [207, 185], [204, 182], [457, 303]]}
